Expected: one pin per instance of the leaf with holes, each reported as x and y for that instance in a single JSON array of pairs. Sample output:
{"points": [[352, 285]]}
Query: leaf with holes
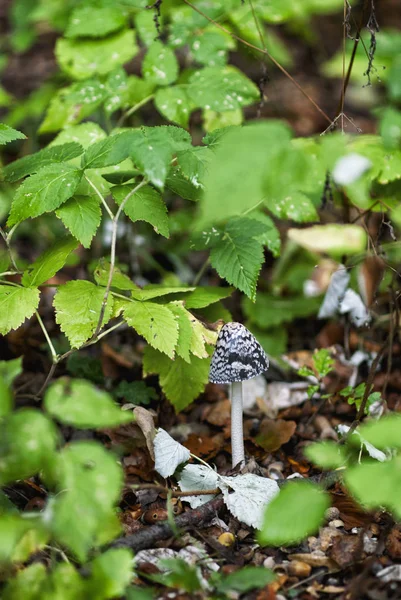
{"points": [[44, 192], [145, 205], [155, 322], [16, 305], [78, 305]]}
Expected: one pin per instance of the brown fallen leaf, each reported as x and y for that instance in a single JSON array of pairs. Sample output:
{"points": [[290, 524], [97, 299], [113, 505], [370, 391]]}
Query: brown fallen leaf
{"points": [[314, 559], [218, 414], [273, 434], [346, 550], [203, 446], [144, 420]]}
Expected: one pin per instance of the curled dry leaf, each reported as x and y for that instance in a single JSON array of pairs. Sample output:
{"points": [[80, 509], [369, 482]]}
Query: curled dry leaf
{"points": [[144, 420]]}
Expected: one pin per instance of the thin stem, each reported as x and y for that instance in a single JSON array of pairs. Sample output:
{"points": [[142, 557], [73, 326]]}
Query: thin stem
{"points": [[7, 239], [113, 254], [274, 61], [133, 109], [106, 206], [48, 378], [8, 273], [201, 271], [48, 340], [237, 432]]}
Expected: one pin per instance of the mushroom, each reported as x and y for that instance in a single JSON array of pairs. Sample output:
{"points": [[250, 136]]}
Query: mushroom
{"points": [[238, 356]]}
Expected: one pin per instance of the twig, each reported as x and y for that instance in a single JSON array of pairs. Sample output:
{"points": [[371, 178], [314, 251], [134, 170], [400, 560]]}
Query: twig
{"points": [[148, 536], [106, 206], [266, 53], [176, 493], [113, 254], [133, 109], [48, 340]]}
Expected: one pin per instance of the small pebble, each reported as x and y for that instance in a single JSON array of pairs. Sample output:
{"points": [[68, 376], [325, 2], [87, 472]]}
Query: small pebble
{"points": [[226, 539], [269, 562], [336, 523], [332, 513]]}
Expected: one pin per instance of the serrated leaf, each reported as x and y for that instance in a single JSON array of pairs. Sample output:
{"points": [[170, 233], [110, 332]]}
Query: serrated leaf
{"points": [[178, 184], [44, 192], [88, 480], [194, 163], [120, 281], [174, 104], [168, 453], [155, 322], [8, 134], [27, 442], [247, 496], [81, 59], [157, 291], [184, 330], [81, 215], [49, 263], [221, 89], [197, 477], [33, 162], [181, 382], [79, 403], [94, 21], [85, 134], [110, 151], [205, 296], [145, 205], [334, 239], [16, 305], [296, 513], [238, 257], [160, 65], [78, 305], [271, 236]]}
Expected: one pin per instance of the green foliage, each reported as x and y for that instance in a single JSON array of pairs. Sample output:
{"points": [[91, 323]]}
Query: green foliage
{"points": [[8, 134], [81, 215], [355, 396], [135, 392], [160, 65], [49, 263], [327, 455], [294, 514], [145, 204], [246, 579], [17, 304]]}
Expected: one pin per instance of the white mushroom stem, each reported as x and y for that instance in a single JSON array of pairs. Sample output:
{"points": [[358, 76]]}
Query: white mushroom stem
{"points": [[237, 432]]}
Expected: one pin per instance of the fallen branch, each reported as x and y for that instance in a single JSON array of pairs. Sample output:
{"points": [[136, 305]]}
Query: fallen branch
{"points": [[148, 536]]}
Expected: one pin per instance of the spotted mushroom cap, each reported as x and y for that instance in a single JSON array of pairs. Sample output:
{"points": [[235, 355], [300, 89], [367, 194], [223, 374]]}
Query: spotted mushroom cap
{"points": [[238, 355]]}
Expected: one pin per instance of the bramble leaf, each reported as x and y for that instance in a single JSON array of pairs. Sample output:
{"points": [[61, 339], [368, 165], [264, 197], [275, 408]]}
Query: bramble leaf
{"points": [[160, 65], [81, 215], [174, 104], [78, 305], [145, 205], [221, 89], [94, 21], [16, 305], [49, 263], [33, 162], [8, 134], [43, 192]]}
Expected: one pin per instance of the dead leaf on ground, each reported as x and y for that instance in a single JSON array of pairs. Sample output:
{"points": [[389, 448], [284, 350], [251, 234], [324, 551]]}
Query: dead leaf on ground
{"points": [[273, 434], [219, 414], [346, 550], [204, 446]]}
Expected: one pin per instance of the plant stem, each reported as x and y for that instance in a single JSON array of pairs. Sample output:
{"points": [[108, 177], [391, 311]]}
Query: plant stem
{"points": [[106, 206], [201, 271], [237, 432], [134, 108], [7, 239], [48, 340]]}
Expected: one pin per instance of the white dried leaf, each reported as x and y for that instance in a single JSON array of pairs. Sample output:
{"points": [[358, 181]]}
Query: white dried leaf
{"points": [[197, 477], [350, 168], [168, 453], [250, 497], [353, 305], [335, 293]]}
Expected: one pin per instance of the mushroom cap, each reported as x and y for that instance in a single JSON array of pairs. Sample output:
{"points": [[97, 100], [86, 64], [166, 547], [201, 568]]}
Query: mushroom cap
{"points": [[237, 356]]}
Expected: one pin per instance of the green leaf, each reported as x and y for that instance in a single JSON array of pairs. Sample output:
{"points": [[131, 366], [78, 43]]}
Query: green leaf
{"points": [[390, 128], [157, 291], [33, 162], [84, 134], [81, 215], [295, 513], [135, 392], [212, 120], [181, 382], [10, 369], [119, 281], [95, 21], [110, 151], [271, 236], [295, 206], [384, 433], [221, 89], [81, 59], [44, 192], [85, 367], [185, 330], [178, 184], [145, 205], [6, 399], [79, 403], [155, 322], [235, 178], [88, 481], [174, 104], [246, 579], [269, 310], [194, 163], [210, 48], [111, 572], [238, 257], [78, 305], [16, 305], [49, 263], [333, 239], [27, 584], [204, 296], [376, 485], [8, 134], [145, 27], [160, 65], [27, 442], [327, 455]]}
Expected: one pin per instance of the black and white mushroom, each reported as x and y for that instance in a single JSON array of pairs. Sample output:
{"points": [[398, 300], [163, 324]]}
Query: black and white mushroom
{"points": [[238, 356]]}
